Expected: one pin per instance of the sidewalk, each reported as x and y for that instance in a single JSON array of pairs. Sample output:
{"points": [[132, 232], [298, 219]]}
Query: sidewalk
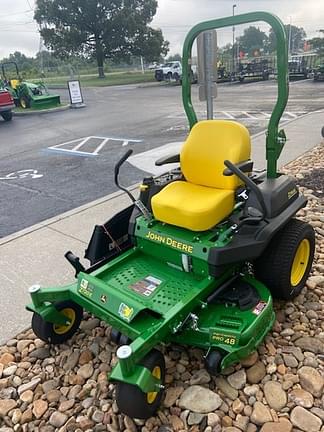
{"points": [[36, 254]]}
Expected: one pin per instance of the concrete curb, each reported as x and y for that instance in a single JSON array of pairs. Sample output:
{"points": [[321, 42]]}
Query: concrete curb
{"points": [[45, 111]]}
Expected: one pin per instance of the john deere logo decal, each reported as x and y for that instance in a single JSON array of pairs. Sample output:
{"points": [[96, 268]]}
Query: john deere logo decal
{"points": [[103, 298], [125, 312]]}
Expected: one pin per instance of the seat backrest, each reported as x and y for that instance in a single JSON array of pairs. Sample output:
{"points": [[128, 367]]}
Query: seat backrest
{"points": [[209, 143], [14, 83]]}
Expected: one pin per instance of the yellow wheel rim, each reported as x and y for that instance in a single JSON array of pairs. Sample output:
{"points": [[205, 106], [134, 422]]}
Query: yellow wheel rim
{"points": [[300, 263], [23, 103], [62, 329], [151, 396]]}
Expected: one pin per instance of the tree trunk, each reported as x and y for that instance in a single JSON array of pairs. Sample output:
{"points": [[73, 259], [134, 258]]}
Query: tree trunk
{"points": [[100, 58]]}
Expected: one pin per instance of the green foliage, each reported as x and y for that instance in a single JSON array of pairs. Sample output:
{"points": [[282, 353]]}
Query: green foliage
{"points": [[253, 39], [109, 29], [297, 38], [317, 44], [175, 57]]}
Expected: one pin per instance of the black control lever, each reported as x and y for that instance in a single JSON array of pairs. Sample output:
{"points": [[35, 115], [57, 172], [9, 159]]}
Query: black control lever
{"points": [[75, 262], [250, 183], [117, 168], [137, 202]]}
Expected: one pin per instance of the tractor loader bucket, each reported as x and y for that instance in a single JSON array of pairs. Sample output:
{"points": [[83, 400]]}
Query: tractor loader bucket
{"points": [[45, 101]]}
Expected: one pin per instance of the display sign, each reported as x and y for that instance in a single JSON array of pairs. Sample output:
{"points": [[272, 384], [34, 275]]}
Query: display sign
{"points": [[75, 92]]}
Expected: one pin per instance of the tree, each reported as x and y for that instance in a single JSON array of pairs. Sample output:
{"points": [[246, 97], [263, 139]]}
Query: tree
{"points": [[297, 38], [253, 39], [317, 43], [106, 29], [175, 57]]}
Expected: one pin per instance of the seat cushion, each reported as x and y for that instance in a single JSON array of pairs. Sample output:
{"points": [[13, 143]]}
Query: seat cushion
{"points": [[191, 206]]}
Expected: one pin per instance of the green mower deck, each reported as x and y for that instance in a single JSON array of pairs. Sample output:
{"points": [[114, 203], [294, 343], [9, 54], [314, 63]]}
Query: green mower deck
{"points": [[150, 301]]}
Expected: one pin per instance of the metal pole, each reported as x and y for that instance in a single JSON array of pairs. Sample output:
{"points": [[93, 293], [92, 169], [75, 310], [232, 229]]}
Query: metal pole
{"points": [[208, 73], [142, 65], [233, 70], [289, 37]]}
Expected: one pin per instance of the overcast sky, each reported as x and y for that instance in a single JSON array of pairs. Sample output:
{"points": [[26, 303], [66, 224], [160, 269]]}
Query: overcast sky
{"points": [[18, 32]]}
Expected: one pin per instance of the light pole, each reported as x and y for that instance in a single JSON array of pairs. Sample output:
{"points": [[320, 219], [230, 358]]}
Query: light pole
{"points": [[289, 38], [233, 71]]}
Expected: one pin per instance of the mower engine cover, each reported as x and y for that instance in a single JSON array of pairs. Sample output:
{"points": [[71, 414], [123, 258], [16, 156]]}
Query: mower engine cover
{"points": [[278, 194]]}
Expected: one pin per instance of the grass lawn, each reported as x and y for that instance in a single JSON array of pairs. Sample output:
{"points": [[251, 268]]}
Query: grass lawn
{"points": [[109, 80], [24, 110]]}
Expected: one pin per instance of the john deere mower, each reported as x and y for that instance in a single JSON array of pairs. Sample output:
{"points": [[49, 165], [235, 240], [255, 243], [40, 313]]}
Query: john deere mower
{"points": [[197, 259], [26, 94]]}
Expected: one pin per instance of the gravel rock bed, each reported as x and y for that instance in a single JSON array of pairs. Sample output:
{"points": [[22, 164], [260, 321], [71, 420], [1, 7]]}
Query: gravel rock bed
{"points": [[277, 389]]}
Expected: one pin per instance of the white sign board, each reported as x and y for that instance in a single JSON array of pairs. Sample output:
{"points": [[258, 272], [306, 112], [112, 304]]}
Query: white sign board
{"points": [[75, 92]]}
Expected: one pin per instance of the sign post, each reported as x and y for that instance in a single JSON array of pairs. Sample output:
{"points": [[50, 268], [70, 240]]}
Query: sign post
{"points": [[207, 68], [75, 93]]}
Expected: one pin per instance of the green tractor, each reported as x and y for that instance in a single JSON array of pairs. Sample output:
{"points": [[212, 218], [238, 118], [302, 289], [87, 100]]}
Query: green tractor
{"points": [[198, 258], [319, 72], [26, 94]]}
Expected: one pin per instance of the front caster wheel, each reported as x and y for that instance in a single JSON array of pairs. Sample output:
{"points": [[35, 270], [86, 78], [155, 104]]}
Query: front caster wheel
{"points": [[213, 362], [130, 398], [57, 334]]}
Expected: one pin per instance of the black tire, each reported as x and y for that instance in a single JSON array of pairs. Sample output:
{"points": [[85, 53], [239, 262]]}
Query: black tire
{"points": [[49, 332], [213, 362], [131, 400], [176, 77], [7, 115], [24, 102], [275, 266], [322, 131], [124, 340], [115, 336]]}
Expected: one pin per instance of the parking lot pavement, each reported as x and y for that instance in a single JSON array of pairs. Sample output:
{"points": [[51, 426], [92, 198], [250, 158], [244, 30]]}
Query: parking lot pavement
{"points": [[52, 163]]}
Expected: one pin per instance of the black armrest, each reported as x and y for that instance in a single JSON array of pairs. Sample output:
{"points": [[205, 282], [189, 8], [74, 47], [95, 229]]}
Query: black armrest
{"points": [[168, 159], [245, 166]]}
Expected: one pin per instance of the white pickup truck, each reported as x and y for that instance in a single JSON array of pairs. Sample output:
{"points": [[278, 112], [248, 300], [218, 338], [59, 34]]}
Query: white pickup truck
{"points": [[167, 71], [173, 70]]}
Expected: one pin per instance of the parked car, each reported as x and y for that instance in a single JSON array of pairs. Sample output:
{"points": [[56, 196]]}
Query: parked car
{"points": [[6, 105], [166, 71], [319, 73], [177, 75]]}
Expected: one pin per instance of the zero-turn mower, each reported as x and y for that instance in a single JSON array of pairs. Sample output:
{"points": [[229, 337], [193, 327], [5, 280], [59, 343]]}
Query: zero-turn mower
{"points": [[27, 94], [198, 258]]}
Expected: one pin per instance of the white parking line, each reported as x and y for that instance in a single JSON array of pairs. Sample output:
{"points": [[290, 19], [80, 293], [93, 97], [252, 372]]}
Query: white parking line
{"points": [[89, 146], [242, 115], [101, 146], [293, 115], [249, 115], [227, 114]]}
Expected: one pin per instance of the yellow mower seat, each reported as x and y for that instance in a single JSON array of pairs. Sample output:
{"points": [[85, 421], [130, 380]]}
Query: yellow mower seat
{"points": [[207, 196]]}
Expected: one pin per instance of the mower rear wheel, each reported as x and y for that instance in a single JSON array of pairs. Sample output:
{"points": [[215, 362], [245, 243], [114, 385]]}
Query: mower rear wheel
{"points": [[130, 398], [285, 265], [57, 334]]}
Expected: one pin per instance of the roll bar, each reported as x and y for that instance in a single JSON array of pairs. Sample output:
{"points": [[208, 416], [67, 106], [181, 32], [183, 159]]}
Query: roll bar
{"points": [[275, 140]]}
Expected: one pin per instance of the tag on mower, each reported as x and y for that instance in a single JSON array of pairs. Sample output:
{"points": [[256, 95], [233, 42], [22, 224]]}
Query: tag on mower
{"points": [[146, 286]]}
